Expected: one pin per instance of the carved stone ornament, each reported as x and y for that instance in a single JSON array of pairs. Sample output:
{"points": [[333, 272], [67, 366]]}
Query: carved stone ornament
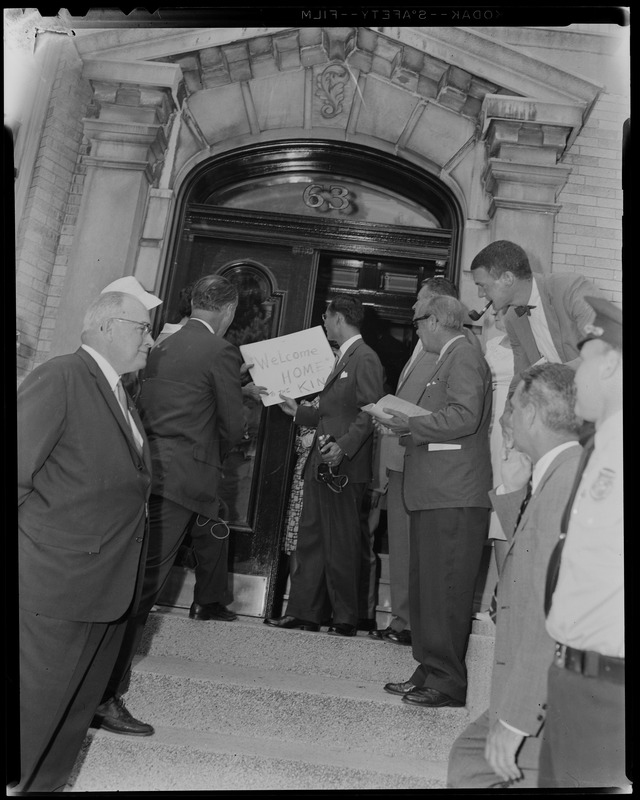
{"points": [[330, 89]]}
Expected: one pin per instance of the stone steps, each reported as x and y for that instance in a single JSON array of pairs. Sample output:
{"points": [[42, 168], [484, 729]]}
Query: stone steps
{"points": [[241, 705]]}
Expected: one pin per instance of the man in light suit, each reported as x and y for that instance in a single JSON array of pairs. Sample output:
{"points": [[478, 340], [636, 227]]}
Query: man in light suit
{"points": [[447, 477], [410, 386], [547, 313], [84, 474], [191, 407], [501, 748], [328, 551]]}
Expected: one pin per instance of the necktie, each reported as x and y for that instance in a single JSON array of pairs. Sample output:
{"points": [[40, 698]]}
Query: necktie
{"points": [[493, 608], [522, 310], [124, 405], [554, 562]]}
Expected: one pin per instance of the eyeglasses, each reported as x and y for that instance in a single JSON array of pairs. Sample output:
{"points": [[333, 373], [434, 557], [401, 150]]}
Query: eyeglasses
{"points": [[144, 328], [418, 319]]}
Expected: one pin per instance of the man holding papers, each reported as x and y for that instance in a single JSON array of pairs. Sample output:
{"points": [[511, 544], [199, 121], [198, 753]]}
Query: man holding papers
{"points": [[447, 478]]}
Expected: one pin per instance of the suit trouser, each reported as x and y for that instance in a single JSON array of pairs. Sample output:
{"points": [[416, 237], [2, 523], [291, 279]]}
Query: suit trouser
{"points": [[583, 742], [328, 553], [168, 525], [469, 769], [446, 550], [64, 668], [398, 522]]}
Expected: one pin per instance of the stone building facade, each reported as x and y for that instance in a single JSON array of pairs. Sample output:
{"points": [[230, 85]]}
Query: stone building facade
{"points": [[523, 127]]}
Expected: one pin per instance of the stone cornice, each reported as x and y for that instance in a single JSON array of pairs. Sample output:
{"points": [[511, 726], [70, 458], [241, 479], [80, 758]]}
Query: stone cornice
{"points": [[141, 73], [529, 122], [499, 63]]}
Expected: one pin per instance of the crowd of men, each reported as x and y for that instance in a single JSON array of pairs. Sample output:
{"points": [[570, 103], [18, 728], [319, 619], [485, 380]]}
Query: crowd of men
{"points": [[109, 488]]}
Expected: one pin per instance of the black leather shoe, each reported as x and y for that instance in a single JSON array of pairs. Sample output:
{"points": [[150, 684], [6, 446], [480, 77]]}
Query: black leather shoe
{"points": [[379, 633], [342, 629], [400, 688], [430, 698], [293, 622], [399, 637], [211, 611], [113, 716]]}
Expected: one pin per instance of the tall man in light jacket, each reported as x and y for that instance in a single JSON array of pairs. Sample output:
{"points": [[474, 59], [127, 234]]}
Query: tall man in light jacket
{"points": [[501, 748], [84, 474], [447, 477], [547, 313]]}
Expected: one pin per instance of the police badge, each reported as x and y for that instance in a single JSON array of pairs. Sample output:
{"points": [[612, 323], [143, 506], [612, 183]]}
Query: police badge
{"points": [[602, 484]]}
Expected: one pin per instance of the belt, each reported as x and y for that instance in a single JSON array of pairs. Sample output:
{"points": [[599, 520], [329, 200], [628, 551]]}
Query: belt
{"points": [[589, 663]]}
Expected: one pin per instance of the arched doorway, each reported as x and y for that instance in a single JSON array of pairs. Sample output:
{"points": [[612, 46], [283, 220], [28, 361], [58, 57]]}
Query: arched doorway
{"points": [[292, 223]]}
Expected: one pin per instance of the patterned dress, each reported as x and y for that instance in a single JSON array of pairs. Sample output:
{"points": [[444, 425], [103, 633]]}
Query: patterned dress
{"points": [[304, 440]]}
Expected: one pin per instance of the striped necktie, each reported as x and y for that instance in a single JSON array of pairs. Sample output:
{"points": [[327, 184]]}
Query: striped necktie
{"points": [[124, 405], [554, 562], [493, 608]]}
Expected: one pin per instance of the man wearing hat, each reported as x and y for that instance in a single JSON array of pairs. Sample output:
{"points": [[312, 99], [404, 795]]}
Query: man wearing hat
{"points": [[584, 736], [546, 314], [84, 478]]}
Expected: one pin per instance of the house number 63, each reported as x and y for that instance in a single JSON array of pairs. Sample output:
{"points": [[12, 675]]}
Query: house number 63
{"points": [[326, 199]]}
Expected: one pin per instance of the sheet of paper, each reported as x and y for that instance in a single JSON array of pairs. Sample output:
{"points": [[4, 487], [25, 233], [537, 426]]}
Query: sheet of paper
{"points": [[295, 365], [394, 403]]}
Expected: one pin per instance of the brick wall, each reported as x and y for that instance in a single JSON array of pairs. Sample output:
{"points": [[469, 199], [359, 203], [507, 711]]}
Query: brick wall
{"points": [[45, 231], [588, 230]]}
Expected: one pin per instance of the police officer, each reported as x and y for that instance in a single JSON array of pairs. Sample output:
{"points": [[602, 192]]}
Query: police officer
{"points": [[584, 742]]}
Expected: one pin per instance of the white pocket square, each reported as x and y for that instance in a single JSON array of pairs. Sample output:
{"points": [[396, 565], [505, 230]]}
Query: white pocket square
{"points": [[440, 446], [344, 375]]}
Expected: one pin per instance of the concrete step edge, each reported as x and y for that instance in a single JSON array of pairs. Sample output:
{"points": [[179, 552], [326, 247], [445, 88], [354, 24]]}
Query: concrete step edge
{"points": [[257, 677], [302, 753]]}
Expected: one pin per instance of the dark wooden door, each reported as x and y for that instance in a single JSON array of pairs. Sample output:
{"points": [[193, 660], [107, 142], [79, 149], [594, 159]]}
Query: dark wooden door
{"points": [[286, 269]]}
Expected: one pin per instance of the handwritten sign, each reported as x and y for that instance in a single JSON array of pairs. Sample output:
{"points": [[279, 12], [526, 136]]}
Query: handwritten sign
{"points": [[294, 365]]}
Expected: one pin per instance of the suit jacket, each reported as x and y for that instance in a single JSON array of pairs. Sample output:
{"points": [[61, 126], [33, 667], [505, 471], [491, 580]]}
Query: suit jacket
{"points": [[191, 407], [82, 494], [523, 648], [458, 393], [567, 313], [356, 380]]}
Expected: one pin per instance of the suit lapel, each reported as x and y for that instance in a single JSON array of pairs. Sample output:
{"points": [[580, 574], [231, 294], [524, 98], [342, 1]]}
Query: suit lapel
{"points": [[114, 406], [342, 362], [522, 328], [439, 365], [546, 296], [407, 371], [557, 461]]}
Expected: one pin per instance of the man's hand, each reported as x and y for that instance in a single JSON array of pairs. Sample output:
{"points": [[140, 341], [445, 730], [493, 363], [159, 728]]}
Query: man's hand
{"points": [[398, 423], [332, 454], [516, 469], [253, 391], [500, 751], [289, 405]]}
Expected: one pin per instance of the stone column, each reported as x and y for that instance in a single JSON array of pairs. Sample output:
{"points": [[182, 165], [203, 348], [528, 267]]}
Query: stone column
{"points": [[525, 141], [127, 141]]}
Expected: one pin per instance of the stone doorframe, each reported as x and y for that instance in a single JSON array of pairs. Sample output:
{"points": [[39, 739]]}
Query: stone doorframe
{"points": [[490, 123]]}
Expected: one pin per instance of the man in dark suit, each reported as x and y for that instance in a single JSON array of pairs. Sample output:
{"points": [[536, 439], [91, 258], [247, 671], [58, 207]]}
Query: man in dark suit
{"points": [[501, 748], [547, 313], [447, 477], [83, 484], [191, 407], [329, 547]]}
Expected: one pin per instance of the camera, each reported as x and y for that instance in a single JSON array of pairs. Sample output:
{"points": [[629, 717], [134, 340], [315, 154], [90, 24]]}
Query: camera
{"points": [[325, 473]]}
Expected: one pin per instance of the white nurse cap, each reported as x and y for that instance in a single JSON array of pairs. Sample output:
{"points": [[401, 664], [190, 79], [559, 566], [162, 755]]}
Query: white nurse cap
{"points": [[130, 285]]}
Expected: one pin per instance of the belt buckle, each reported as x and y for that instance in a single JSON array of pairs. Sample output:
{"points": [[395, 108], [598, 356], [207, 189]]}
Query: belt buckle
{"points": [[560, 654]]}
